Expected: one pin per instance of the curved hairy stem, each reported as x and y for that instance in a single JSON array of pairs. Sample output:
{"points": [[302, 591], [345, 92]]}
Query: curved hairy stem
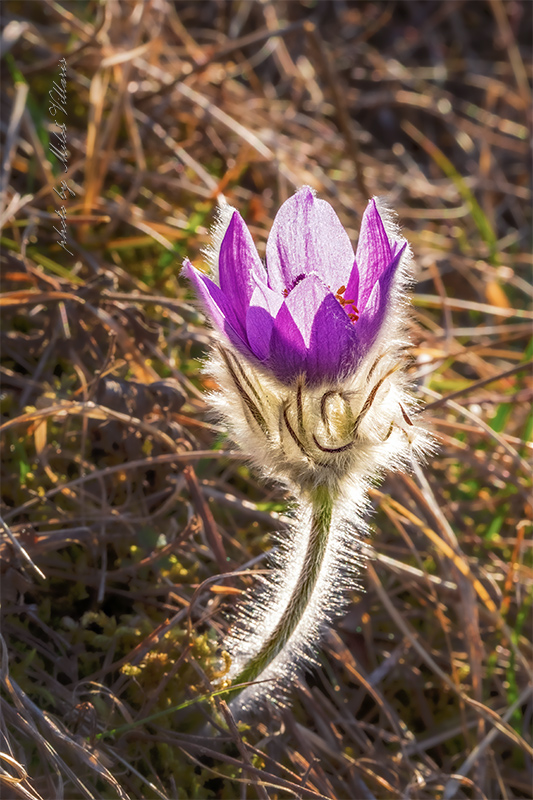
{"points": [[322, 507]]}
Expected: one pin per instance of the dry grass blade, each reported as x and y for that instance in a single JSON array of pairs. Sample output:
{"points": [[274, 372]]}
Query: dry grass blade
{"points": [[409, 633], [451, 787], [11, 140], [20, 551], [345, 125]]}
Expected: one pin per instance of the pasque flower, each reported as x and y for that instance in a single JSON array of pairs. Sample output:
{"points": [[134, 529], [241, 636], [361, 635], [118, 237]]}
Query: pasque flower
{"points": [[316, 309], [310, 364]]}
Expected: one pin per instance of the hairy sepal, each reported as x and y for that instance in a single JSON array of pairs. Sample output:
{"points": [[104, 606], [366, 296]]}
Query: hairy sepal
{"points": [[316, 436]]}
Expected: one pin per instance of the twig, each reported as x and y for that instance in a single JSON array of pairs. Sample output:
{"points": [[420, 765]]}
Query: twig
{"points": [[210, 527], [343, 120]]}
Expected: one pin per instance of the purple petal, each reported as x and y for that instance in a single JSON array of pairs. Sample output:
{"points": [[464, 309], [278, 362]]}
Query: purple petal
{"points": [[327, 333], [217, 305], [388, 276], [287, 347], [377, 306], [239, 264], [307, 236], [352, 287], [264, 307], [374, 252], [304, 303]]}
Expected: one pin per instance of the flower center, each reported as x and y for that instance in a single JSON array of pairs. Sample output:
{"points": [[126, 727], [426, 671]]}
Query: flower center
{"points": [[296, 281], [347, 304]]}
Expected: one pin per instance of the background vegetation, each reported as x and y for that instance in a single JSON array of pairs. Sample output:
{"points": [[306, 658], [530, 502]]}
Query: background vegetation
{"points": [[122, 504]]}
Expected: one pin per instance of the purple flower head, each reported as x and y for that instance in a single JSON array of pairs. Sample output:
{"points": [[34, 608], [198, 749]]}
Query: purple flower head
{"points": [[316, 309]]}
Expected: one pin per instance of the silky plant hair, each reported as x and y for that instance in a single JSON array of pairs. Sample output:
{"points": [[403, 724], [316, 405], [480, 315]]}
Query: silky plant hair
{"points": [[325, 438]]}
